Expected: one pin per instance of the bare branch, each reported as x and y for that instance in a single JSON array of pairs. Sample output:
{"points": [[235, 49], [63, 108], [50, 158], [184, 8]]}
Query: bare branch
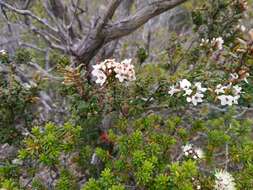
{"points": [[109, 14], [28, 13], [89, 46], [60, 26], [48, 38], [130, 24], [32, 46], [74, 15]]}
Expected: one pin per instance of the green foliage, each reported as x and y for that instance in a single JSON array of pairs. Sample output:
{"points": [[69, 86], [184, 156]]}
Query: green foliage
{"points": [[133, 136], [15, 105], [9, 184], [142, 55], [106, 181], [22, 56], [48, 143], [66, 181], [59, 60]]}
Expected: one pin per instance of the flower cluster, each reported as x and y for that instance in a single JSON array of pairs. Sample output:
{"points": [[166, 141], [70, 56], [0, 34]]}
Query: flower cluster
{"points": [[190, 150], [123, 71], [194, 93], [224, 181], [224, 97], [216, 43]]}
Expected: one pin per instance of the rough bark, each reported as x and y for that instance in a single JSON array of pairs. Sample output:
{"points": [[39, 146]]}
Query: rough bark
{"points": [[59, 31], [89, 47]]}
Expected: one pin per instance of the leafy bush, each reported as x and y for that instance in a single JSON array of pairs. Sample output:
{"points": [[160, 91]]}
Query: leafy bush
{"points": [[183, 123]]}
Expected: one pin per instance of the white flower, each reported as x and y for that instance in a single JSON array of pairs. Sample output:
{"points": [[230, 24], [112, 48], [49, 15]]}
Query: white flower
{"points": [[96, 67], [125, 71], [187, 149], [204, 42], [237, 89], [236, 98], [185, 84], [199, 153], [234, 76], [3, 52], [100, 76], [224, 181], [217, 43], [173, 90], [110, 63], [198, 187], [188, 92], [220, 89], [127, 62], [226, 100], [195, 99], [120, 77], [199, 87]]}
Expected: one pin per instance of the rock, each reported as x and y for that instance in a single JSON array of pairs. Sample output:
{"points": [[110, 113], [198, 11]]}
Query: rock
{"points": [[7, 151]]}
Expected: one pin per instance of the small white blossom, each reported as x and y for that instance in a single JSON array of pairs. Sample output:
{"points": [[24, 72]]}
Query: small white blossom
{"points": [[204, 42], [96, 67], [120, 77], [217, 43], [185, 84], [3, 52], [199, 87], [224, 181], [195, 99], [188, 92], [199, 153], [234, 76], [187, 149], [237, 89], [110, 63], [236, 98], [100, 76], [190, 150], [226, 100], [221, 89], [123, 71], [173, 90]]}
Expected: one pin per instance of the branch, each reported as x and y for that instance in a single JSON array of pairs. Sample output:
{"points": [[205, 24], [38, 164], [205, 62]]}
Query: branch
{"points": [[130, 24], [28, 13], [89, 46], [32, 46], [74, 14], [48, 38], [109, 14], [57, 22]]}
